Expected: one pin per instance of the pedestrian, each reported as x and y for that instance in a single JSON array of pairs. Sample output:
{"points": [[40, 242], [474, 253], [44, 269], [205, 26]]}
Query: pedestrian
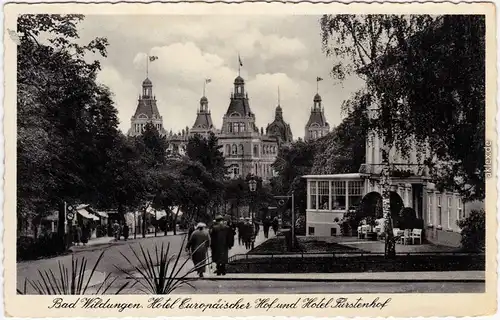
{"points": [[126, 231], [198, 245], [275, 225], [191, 229], [116, 230], [222, 240], [248, 233], [240, 226], [266, 224], [78, 233]]}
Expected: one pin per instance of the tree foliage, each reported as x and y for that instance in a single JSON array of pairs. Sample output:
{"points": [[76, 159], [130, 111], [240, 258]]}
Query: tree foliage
{"points": [[409, 65]]}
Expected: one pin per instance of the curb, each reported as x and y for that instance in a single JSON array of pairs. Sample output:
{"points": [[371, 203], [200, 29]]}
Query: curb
{"points": [[380, 280]]}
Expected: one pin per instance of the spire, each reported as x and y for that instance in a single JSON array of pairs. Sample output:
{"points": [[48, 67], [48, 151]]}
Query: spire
{"points": [[278, 95]]}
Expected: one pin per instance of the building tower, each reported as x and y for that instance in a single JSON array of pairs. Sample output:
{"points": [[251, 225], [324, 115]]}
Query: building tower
{"points": [[317, 126], [203, 123], [146, 111], [279, 128]]}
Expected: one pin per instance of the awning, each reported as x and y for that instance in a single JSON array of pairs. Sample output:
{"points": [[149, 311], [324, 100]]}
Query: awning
{"points": [[102, 214], [84, 213]]}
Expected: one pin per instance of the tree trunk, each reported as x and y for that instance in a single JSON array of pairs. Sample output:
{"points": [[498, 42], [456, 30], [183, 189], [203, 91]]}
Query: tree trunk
{"points": [[61, 226], [174, 227], [385, 181]]}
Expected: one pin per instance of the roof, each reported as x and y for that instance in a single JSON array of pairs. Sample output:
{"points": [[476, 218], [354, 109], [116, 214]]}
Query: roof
{"points": [[147, 82], [317, 97], [336, 176], [239, 105], [203, 99], [239, 80], [317, 116], [203, 120], [147, 107]]}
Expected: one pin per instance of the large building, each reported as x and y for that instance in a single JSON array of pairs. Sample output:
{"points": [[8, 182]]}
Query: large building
{"points": [[146, 111], [329, 197], [316, 126], [247, 149]]}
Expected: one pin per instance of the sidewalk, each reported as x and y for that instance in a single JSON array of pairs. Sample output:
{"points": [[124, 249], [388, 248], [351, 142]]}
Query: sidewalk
{"points": [[236, 249], [102, 241], [426, 276]]}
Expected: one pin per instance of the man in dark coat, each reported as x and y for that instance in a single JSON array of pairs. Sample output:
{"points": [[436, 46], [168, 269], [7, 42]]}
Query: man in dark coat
{"points": [[275, 225], [222, 239], [266, 224], [198, 245], [241, 231]]}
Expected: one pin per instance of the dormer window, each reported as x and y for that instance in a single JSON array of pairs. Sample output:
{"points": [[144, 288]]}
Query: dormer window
{"points": [[235, 114]]}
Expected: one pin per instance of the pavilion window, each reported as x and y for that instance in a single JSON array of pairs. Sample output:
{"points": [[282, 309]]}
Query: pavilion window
{"points": [[460, 209], [429, 207], [338, 195], [312, 195], [323, 194], [355, 193], [440, 211]]}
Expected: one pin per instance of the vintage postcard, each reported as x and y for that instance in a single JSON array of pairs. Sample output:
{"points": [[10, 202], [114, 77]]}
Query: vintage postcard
{"points": [[253, 159]]}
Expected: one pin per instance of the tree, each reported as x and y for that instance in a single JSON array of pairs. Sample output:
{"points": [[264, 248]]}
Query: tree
{"points": [[440, 104], [66, 121], [343, 149], [359, 42]]}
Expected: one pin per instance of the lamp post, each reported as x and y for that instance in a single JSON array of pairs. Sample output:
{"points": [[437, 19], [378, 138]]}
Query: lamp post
{"points": [[149, 198], [252, 185], [292, 231]]}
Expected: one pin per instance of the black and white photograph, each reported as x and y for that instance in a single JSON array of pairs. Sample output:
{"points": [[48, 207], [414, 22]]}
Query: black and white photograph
{"points": [[240, 154]]}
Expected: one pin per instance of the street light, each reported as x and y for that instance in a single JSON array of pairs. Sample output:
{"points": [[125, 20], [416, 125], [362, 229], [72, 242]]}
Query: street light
{"points": [[281, 202], [252, 185]]}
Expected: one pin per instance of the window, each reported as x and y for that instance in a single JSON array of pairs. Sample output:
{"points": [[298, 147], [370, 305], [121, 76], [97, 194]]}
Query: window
{"points": [[449, 212], [312, 195], [228, 149], [323, 194], [236, 127], [230, 127], [333, 232], [240, 149], [255, 151], [440, 218], [311, 231], [460, 209], [242, 127], [429, 208], [234, 170], [338, 195], [355, 193], [234, 150]]}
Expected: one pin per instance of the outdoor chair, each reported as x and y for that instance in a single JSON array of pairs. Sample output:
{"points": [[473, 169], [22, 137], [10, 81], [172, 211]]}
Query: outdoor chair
{"points": [[359, 232], [406, 236], [416, 234]]}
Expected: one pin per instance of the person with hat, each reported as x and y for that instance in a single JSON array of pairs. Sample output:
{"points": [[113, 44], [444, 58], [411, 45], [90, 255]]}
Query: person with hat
{"points": [[198, 245], [222, 240], [240, 226]]}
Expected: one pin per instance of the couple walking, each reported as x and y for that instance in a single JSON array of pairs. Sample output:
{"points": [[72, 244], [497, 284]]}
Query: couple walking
{"points": [[220, 239]]}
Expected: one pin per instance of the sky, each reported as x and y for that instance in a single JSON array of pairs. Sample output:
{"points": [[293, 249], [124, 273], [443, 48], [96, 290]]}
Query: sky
{"points": [[276, 51]]}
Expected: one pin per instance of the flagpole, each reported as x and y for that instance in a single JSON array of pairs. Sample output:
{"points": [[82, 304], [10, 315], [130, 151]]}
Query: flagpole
{"points": [[317, 86], [204, 84], [147, 66], [278, 95]]}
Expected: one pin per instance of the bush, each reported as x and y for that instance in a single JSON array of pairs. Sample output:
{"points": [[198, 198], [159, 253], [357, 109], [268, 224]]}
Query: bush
{"points": [[29, 248], [473, 231], [101, 231], [408, 219]]}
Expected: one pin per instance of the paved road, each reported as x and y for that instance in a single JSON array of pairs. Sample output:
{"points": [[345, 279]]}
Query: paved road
{"points": [[291, 287], [112, 257]]}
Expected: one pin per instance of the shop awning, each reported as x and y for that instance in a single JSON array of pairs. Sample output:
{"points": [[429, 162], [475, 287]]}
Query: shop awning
{"points": [[102, 214], [84, 213]]}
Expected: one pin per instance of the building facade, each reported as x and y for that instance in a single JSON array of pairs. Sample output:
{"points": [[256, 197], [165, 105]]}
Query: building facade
{"points": [[247, 149], [316, 126], [330, 197], [146, 111]]}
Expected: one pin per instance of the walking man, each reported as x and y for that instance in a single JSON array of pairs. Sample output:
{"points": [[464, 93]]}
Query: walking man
{"points": [[222, 239], [275, 225], [198, 245], [266, 224]]}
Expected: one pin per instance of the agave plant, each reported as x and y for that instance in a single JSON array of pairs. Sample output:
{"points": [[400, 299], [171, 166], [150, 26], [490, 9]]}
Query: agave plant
{"points": [[71, 282], [153, 275]]}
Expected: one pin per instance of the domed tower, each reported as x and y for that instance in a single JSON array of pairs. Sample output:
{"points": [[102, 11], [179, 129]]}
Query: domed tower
{"points": [[146, 111], [203, 123], [317, 126], [239, 117], [279, 128]]}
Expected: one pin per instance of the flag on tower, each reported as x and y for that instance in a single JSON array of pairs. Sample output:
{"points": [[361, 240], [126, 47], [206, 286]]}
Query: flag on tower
{"points": [[153, 58], [319, 79], [208, 80], [239, 60]]}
